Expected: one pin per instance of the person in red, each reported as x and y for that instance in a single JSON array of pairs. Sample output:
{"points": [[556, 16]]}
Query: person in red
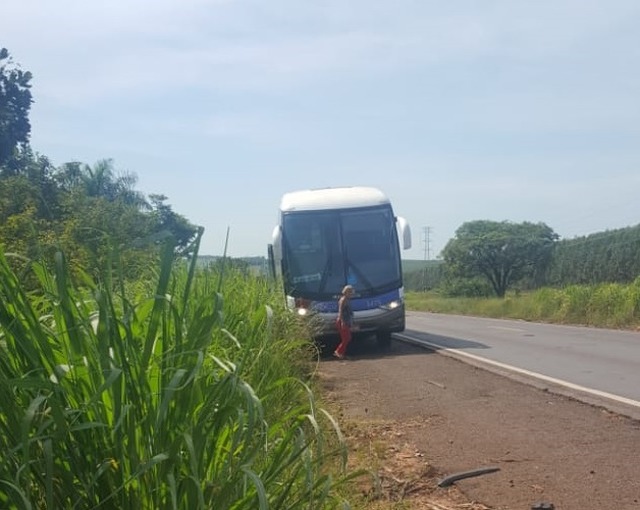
{"points": [[344, 321]]}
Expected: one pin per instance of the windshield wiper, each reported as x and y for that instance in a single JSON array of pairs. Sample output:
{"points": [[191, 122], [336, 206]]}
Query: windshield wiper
{"points": [[325, 274]]}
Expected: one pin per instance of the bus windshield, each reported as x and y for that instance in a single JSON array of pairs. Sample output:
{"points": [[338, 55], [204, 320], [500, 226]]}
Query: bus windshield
{"points": [[325, 250]]}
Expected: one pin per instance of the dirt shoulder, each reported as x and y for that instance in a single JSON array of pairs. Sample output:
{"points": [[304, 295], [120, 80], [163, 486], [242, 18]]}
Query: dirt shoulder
{"points": [[424, 416]]}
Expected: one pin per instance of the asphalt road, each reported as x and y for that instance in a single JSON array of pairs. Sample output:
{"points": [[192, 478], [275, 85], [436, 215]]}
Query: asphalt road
{"points": [[600, 366]]}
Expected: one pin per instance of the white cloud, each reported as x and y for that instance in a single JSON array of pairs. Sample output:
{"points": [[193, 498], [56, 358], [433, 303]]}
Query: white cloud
{"points": [[419, 97], [96, 51]]}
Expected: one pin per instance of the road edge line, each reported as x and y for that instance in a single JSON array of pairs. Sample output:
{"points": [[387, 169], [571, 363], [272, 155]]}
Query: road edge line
{"points": [[521, 371]]}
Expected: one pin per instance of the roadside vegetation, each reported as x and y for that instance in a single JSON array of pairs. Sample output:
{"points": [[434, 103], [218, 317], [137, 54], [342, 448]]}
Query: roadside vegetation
{"points": [[608, 305], [522, 271], [192, 390]]}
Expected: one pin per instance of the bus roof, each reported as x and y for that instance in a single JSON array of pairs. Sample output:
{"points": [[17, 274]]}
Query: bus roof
{"points": [[332, 198]]}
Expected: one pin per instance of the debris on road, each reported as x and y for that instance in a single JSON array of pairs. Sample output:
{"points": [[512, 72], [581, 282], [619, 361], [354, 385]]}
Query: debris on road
{"points": [[448, 480]]}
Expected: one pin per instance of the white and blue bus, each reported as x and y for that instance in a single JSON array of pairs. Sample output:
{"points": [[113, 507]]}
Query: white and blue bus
{"points": [[330, 237]]}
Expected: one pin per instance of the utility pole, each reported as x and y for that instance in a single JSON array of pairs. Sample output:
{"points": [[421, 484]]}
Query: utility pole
{"points": [[426, 239]]}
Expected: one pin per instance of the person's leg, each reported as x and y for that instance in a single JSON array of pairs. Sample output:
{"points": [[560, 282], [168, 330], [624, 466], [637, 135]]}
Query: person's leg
{"points": [[345, 338]]}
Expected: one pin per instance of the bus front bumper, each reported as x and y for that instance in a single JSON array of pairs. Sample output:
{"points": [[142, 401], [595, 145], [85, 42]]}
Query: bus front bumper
{"points": [[378, 320]]}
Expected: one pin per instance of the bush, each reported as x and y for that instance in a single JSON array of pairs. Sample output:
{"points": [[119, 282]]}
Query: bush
{"points": [[466, 287]]}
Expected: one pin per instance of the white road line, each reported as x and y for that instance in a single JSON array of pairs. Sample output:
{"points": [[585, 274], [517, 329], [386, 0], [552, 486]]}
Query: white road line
{"points": [[542, 377]]}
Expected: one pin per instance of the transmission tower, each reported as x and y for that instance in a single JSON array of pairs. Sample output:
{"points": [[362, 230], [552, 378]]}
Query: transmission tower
{"points": [[426, 240]]}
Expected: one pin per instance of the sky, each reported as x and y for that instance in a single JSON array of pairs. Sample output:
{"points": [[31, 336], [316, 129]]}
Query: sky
{"points": [[503, 110]]}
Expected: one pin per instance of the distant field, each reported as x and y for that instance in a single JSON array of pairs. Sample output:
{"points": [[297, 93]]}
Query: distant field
{"points": [[409, 266]]}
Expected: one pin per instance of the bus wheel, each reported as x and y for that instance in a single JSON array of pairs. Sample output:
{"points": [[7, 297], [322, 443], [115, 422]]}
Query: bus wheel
{"points": [[383, 339]]}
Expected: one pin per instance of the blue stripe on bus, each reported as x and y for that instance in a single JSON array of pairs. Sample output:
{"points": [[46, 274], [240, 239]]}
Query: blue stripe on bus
{"points": [[358, 304]]}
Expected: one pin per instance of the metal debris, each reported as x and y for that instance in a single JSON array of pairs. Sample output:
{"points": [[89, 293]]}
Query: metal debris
{"points": [[449, 480], [542, 505]]}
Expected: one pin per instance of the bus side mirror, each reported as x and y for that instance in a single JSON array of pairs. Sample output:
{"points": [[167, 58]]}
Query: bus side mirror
{"points": [[405, 232], [276, 237]]}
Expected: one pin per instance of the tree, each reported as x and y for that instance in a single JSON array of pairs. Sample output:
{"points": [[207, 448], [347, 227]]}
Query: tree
{"points": [[15, 102], [502, 252], [170, 223], [101, 181]]}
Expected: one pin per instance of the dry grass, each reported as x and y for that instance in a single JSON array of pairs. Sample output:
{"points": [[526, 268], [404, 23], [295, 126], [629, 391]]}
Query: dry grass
{"points": [[605, 305], [401, 477]]}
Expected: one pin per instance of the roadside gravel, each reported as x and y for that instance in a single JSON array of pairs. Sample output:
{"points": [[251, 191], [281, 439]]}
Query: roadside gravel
{"points": [[456, 417]]}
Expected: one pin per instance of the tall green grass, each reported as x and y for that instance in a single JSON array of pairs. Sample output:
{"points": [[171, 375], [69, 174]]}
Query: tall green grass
{"points": [[190, 393], [605, 305]]}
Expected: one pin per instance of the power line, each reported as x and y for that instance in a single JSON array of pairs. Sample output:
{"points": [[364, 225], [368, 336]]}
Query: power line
{"points": [[426, 239]]}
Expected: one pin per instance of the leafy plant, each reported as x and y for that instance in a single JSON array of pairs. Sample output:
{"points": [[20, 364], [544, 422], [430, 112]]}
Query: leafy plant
{"points": [[183, 397]]}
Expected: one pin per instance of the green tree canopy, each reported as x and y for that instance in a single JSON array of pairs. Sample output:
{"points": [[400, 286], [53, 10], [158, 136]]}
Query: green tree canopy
{"points": [[169, 222], [88, 211], [15, 102], [502, 252], [102, 181]]}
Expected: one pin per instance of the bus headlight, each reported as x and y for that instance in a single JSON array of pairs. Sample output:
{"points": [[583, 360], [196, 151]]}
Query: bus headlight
{"points": [[302, 306], [392, 305]]}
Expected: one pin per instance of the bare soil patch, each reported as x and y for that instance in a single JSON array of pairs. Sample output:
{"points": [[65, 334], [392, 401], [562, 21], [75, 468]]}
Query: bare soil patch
{"points": [[414, 416]]}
